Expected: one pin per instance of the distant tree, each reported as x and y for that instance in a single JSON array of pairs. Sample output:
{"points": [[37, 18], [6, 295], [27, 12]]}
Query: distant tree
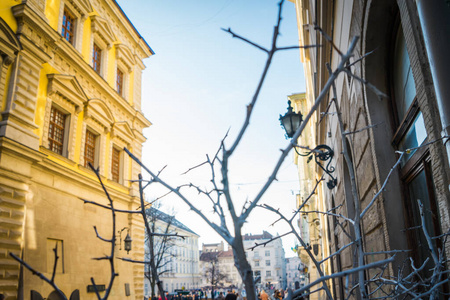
{"points": [[214, 276], [160, 249]]}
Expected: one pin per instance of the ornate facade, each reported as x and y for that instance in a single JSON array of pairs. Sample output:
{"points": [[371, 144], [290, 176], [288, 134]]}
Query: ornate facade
{"points": [[70, 94], [398, 49]]}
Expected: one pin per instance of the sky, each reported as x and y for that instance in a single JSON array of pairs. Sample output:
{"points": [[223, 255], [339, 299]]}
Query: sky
{"points": [[195, 89]]}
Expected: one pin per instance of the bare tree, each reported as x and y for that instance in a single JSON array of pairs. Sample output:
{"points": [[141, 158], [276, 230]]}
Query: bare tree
{"points": [[163, 246], [230, 219], [213, 274]]}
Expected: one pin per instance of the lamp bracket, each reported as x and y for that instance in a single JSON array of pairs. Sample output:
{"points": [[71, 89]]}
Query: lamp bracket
{"points": [[322, 153]]}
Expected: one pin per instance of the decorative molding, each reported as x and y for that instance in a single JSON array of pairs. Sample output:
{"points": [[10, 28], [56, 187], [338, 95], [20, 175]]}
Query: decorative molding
{"points": [[103, 30], [124, 55], [97, 110], [123, 131], [68, 87]]}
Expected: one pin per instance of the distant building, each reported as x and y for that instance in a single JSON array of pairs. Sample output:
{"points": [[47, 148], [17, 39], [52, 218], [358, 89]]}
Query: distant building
{"points": [[267, 262], [180, 264], [224, 260], [295, 270]]}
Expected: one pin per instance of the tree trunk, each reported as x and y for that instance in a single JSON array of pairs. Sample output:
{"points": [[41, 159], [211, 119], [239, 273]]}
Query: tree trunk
{"points": [[241, 263]]}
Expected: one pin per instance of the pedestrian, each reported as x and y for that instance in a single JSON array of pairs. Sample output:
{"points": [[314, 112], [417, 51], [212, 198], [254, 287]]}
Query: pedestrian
{"points": [[159, 298], [231, 296], [220, 297], [264, 295], [277, 295]]}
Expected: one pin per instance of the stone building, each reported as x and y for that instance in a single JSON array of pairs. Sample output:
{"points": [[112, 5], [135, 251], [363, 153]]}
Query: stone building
{"points": [[295, 277], [223, 261], [70, 94], [407, 63], [179, 262], [267, 262]]}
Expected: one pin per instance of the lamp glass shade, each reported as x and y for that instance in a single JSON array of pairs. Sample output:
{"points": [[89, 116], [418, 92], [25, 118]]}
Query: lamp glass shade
{"points": [[291, 121], [127, 242]]}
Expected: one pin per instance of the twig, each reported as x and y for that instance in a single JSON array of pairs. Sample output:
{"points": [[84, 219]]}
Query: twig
{"points": [[108, 207], [234, 35], [342, 274], [362, 129], [39, 274]]}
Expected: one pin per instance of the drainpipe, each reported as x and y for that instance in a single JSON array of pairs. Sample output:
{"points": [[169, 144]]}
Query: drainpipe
{"points": [[434, 17]]}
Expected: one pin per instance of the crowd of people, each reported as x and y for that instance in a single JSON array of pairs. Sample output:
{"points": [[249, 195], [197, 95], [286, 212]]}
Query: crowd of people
{"points": [[278, 294]]}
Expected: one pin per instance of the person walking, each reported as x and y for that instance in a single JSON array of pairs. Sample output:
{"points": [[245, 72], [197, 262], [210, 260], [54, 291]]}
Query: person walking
{"points": [[277, 295], [264, 295], [230, 296]]}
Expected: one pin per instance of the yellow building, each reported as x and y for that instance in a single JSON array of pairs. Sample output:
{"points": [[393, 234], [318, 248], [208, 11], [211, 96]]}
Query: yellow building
{"points": [[70, 94], [313, 226]]}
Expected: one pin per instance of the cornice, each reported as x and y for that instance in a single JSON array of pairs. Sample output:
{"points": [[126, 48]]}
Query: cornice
{"points": [[20, 150], [83, 177], [24, 14], [131, 30], [141, 118]]}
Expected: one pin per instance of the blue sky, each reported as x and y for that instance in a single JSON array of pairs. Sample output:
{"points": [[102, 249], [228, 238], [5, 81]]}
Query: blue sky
{"points": [[197, 86]]}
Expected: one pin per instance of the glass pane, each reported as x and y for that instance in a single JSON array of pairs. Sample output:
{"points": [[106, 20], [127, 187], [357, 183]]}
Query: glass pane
{"points": [[404, 86], [414, 137], [418, 190]]}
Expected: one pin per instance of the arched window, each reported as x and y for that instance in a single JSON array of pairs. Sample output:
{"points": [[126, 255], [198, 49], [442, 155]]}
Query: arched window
{"points": [[410, 132]]}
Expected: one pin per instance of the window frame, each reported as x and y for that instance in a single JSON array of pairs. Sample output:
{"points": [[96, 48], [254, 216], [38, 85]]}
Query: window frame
{"points": [[79, 12], [97, 53], [64, 93], [96, 147], [118, 160], [120, 82], [65, 131], [71, 31], [419, 161]]}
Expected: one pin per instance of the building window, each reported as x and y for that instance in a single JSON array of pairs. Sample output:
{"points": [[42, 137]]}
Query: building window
{"points": [[115, 165], [268, 273], [267, 253], [257, 263], [256, 254], [56, 131], [267, 262], [89, 149], [68, 26], [119, 82], [415, 170], [97, 58]]}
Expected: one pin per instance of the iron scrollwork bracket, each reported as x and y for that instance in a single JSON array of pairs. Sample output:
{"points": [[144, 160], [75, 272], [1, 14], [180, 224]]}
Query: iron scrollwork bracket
{"points": [[322, 153]]}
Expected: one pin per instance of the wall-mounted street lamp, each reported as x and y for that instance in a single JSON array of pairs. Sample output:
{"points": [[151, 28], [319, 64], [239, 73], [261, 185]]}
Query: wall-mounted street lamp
{"points": [[127, 241], [291, 121]]}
